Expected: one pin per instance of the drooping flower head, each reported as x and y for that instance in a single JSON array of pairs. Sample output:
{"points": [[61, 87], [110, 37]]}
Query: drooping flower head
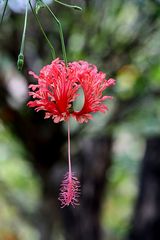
{"points": [[56, 91]]}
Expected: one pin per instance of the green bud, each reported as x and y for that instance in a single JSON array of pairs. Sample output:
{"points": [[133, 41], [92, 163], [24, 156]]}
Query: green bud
{"points": [[39, 5], [20, 61]]}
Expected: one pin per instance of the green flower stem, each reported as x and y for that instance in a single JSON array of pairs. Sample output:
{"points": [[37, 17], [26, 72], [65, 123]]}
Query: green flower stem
{"points": [[20, 60], [4, 10], [41, 28], [60, 32], [24, 29], [69, 6]]}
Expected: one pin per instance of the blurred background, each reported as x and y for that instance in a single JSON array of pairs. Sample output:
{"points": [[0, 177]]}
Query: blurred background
{"points": [[116, 155]]}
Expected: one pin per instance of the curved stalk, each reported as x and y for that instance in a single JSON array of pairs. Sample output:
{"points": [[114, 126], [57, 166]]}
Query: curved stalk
{"points": [[43, 32], [20, 61], [24, 29], [4, 10], [60, 33], [69, 6]]}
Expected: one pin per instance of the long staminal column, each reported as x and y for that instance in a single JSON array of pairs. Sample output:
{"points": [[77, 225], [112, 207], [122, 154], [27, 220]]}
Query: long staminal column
{"points": [[70, 186]]}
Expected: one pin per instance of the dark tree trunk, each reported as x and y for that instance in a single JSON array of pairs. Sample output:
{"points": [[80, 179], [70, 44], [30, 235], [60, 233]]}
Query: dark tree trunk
{"points": [[146, 221]]}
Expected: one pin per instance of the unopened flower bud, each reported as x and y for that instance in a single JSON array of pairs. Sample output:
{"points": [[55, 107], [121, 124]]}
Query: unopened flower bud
{"points": [[20, 61]]}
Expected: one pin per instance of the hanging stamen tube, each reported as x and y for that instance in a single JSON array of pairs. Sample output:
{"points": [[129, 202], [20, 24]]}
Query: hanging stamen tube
{"points": [[70, 187], [69, 149]]}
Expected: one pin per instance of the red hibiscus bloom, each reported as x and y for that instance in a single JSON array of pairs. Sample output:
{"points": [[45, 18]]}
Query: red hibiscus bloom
{"points": [[57, 88], [55, 92]]}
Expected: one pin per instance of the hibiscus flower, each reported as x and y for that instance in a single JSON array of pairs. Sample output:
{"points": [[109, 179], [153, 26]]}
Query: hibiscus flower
{"points": [[56, 91]]}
